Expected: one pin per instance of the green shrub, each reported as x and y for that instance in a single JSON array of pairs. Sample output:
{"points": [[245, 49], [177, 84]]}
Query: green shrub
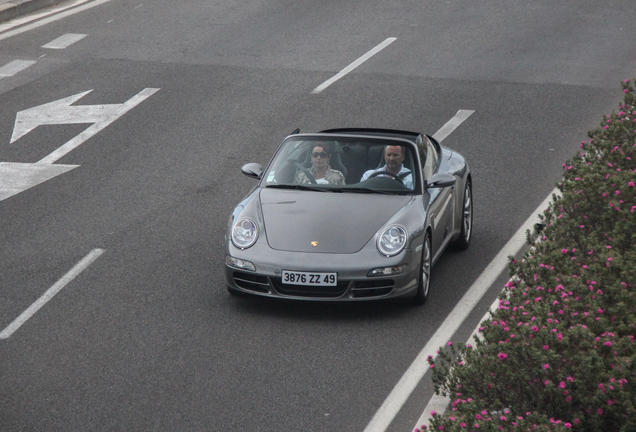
{"points": [[559, 353]]}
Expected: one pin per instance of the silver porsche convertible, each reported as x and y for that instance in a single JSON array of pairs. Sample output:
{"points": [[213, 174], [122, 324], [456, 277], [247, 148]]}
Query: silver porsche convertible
{"points": [[349, 215]]}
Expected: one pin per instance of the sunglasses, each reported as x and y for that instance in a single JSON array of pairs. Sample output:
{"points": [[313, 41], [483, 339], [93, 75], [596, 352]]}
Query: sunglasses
{"points": [[320, 155]]}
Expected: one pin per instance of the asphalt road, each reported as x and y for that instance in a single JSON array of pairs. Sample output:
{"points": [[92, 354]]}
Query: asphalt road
{"points": [[147, 338]]}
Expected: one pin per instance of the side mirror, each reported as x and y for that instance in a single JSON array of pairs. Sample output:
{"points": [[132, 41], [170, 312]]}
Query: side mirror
{"points": [[441, 180], [252, 170]]}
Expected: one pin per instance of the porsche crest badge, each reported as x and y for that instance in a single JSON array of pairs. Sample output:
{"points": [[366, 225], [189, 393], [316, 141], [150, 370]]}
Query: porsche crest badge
{"points": [[314, 243]]}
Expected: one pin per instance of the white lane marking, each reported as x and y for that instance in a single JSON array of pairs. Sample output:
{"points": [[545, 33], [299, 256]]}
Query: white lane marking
{"points": [[50, 293], [4, 34], [452, 124], [64, 41], [36, 16], [416, 371], [354, 65], [14, 67], [99, 125]]}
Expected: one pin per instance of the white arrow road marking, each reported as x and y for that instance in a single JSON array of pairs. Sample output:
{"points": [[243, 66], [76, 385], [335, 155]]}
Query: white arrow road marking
{"points": [[64, 41], [18, 177], [354, 65], [452, 124], [14, 67], [50, 293], [61, 112], [111, 113]]}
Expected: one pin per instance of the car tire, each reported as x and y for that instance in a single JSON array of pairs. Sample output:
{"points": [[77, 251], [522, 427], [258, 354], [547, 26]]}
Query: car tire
{"points": [[466, 232], [424, 281]]}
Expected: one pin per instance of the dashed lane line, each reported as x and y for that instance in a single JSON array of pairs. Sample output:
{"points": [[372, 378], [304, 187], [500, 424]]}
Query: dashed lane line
{"points": [[64, 41], [14, 67], [51, 292], [354, 65]]}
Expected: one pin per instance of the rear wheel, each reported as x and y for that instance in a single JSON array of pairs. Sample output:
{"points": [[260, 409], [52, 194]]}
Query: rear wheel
{"points": [[467, 218], [425, 273]]}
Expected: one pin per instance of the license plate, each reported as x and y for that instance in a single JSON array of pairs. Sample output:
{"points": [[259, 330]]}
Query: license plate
{"points": [[309, 278]]}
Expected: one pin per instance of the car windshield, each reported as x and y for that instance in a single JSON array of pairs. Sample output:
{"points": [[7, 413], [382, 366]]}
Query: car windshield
{"points": [[344, 164]]}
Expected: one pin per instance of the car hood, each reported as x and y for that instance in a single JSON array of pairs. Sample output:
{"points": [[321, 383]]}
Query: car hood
{"points": [[338, 222]]}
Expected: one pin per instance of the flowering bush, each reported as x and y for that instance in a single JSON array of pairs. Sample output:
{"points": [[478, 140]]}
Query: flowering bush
{"points": [[559, 353]]}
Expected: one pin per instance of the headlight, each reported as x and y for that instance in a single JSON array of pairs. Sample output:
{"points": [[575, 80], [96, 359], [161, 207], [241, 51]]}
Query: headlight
{"points": [[244, 233], [392, 240]]}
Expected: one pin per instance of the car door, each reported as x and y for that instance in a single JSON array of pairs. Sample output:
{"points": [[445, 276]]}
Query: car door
{"points": [[441, 203]]}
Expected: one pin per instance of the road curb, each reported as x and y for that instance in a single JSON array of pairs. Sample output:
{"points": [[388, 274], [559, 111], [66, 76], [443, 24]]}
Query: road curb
{"points": [[16, 8]]}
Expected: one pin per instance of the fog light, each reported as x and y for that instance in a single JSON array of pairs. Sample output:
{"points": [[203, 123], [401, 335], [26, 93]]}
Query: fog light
{"points": [[239, 263], [387, 271]]}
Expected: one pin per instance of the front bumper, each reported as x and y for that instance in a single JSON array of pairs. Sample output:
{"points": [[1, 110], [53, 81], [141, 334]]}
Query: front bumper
{"points": [[354, 284]]}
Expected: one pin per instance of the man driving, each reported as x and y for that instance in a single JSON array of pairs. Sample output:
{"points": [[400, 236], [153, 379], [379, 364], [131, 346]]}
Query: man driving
{"points": [[394, 158]]}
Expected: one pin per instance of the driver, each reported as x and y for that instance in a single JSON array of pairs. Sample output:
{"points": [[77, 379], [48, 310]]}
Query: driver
{"points": [[394, 158], [320, 169]]}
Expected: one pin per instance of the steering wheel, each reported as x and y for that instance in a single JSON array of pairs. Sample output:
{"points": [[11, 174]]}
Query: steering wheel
{"points": [[390, 174], [311, 178]]}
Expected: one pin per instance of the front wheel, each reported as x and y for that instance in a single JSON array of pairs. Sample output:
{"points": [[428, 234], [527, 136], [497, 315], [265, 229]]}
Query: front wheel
{"points": [[425, 273], [467, 218]]}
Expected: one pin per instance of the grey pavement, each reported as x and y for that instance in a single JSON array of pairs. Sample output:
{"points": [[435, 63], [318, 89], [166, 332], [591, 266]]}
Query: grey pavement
{"points": [[10, 9]]}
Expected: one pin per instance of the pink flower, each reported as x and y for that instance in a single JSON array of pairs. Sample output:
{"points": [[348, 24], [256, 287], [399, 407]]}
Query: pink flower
{"points": [[477, 417], [562, 384], [546, 366], [545, 347], [631, 184], [502, 356], [600, 411], [564, 251]]}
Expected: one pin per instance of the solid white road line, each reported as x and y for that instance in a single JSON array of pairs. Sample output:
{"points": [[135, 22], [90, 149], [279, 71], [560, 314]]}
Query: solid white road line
{"points": [[14, 67], [64, 41], [354, 65], [48, 295], [452, 124], [69, 10], [414, 374]]}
